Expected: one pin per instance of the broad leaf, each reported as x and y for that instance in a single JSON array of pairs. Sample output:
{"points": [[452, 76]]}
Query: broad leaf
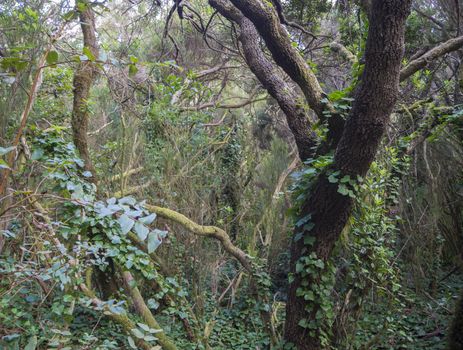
{"points": [[154, 241], [148, 219], [141, 230], [126, 223], [52, 57], [6, 150]]}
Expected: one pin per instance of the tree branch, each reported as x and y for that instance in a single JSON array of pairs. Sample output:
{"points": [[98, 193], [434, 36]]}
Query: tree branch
{"points": [[270, 77], [436, 52], [267, 22], [206, 231]]}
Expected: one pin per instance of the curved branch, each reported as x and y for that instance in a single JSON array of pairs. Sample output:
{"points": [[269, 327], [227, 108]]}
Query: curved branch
{"points": [[144, 311], [126, 323], [206, 231]]}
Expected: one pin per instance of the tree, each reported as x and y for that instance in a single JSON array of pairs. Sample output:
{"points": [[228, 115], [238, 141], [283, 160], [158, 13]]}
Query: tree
{"points": [[355, 142]]}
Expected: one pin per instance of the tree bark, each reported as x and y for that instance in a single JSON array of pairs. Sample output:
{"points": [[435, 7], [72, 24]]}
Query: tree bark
{"points": [[374, 100], [436, 52], [269, 76], [83, 79], [265, 19], [455, 335]]}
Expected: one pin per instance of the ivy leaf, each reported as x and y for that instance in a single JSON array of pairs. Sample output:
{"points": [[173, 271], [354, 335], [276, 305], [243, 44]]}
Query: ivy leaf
{"points": [[141, 230], [309, 240], [3, 164], [6, 150], [37, 154], [139, 334], [161, 233], [343, 190], [148, 219], [332, 179], [309, 295], [131, 343], [89, 54], [319, 263], [153, 304], [31, 344], [104, 211], [127, 200], [154, 242], [150, 338], [52, 58], [126, 223], [303, 220], [143, 326]]}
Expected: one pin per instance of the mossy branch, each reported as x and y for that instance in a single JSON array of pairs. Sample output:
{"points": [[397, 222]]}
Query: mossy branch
{"points": [[143, 310], [206, 231], [121, 319]]}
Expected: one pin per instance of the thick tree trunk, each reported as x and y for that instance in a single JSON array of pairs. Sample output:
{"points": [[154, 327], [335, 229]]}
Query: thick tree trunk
{"points": [[455, 335], [329, 210]]}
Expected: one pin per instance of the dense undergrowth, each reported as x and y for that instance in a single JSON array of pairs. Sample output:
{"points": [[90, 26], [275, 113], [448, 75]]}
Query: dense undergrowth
{"points": [[176, 232]]}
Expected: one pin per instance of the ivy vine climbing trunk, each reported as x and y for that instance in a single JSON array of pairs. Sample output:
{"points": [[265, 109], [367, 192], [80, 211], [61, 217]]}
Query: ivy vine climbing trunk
{"points": [[83, 79], [328, 209]]}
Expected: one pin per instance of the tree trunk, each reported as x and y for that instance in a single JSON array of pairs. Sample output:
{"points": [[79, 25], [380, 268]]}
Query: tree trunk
{"points": [[83, 80], [455, 336], [328, 209]]}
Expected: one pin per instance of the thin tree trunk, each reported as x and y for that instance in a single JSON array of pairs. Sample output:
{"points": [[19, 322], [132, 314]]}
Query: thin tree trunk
{"points": [[83, 80]]}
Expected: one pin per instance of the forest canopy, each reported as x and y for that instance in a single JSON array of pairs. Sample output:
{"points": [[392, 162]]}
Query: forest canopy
{"points": [[231, 174]]}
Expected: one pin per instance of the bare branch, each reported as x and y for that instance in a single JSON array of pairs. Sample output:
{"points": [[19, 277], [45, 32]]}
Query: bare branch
{"points": [[436, 52]]}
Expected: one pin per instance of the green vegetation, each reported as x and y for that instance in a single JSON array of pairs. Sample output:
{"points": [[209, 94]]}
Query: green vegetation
{"points": [[231, 174]]}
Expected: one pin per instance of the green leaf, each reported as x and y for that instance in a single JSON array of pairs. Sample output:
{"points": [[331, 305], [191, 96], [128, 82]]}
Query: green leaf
{"points": [[343, 190], [139, 334], [37, 154], [141, 230], [132, 69], [89, 54], [31, 344], [148, 219], [319, 263], [303, 220], [161, 233], [52, 57], [6, 150], [154, 241], [126, 223], [309, 240], [143, 326], [150, 338], [153, 304], [132, 343], [127, 200], [303, 323], [3, 164]]}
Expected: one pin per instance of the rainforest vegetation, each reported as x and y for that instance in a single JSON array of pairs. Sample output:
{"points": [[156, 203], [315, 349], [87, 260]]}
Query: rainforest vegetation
{"points": [[231, 174]]}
